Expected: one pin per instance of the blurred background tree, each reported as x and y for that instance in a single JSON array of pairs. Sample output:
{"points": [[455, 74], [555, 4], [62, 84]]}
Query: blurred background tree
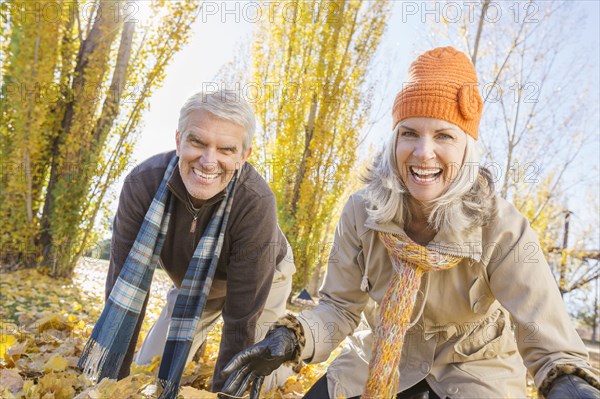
{"points": [[76, 76], [315, 101]]}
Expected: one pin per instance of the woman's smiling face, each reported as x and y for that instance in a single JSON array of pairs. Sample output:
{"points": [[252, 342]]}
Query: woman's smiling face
{"points": [[429, 154]]}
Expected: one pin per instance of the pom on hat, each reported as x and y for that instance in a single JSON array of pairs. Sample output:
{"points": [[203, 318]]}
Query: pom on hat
{"points": [[443, 85], [469, 102]]}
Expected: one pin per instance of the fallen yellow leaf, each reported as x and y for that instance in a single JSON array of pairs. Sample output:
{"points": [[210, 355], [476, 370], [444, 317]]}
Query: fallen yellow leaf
{"points": [[193, 393], [6, 340], [52, 321], [11, 380], [14, 352], [57, 386], [56, 363]]}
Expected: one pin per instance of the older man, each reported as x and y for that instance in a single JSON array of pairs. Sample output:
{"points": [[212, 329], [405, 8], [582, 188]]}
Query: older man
{"points": [[209, 219]]}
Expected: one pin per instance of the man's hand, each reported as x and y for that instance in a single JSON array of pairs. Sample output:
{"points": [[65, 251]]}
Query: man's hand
{"points": [[253, 364]]}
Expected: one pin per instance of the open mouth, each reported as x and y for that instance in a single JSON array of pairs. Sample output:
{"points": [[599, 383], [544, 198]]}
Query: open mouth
{"points": [[206, 176], [425, 175]]}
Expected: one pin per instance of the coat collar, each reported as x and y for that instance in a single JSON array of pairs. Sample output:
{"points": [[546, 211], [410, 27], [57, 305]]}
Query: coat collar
{"points": [[467, 244]]}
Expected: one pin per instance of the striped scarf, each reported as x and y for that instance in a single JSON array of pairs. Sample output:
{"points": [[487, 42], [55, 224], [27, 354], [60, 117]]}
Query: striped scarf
{"points": [[410, 261], [105, 350]]}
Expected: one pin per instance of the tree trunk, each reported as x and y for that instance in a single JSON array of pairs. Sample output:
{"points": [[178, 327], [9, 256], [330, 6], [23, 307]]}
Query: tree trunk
{"points": [[96, 45], [484, 7], [110, 110], [315, 279], [308, 135]]}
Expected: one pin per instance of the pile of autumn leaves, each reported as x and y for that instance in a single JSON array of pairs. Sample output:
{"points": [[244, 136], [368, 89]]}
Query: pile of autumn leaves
{"points": [[45, 323]]}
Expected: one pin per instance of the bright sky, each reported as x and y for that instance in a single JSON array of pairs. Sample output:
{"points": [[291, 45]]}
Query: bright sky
{"points": [[224, 25], [217, 36]]}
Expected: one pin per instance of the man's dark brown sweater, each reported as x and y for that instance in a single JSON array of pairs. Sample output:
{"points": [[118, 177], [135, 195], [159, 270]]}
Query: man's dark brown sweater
{"points": [[253, 245]]}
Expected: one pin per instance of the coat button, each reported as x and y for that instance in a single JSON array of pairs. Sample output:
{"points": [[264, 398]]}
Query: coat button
{"points": [[425, 367], [490, 353], [452, 390], [477, 306]]}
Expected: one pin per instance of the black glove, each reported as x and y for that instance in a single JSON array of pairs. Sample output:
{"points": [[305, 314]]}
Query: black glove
{"points": [[572, 387], [253, 364]]}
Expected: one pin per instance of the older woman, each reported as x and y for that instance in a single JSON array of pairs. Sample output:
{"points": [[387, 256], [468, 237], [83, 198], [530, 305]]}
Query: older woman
{"points": [[467, 303]]}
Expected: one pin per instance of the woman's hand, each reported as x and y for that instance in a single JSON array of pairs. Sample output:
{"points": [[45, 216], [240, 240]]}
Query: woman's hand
{"points": [[253, 364]]}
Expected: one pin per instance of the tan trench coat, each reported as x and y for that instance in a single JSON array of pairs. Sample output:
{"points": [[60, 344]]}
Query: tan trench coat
{"points": [[461, 339]]}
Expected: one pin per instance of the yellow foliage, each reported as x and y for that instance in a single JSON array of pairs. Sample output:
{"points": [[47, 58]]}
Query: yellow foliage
{"points": [[53, 321], [14, 352], [6, 340], [56, 363], [52, 385], [312, 118], [75, 93], [35, 358], [193, 393], [146, 368]]}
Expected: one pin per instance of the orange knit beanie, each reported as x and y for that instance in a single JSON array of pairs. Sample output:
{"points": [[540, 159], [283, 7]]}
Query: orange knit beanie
{"points": [[442, 84]]}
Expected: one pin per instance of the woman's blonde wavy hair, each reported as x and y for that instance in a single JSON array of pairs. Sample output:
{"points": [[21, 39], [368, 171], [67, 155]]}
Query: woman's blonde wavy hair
{"points": [[468, 202]]}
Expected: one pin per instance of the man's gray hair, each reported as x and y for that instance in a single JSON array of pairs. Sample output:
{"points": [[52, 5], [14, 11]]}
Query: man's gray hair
{"points": [[468, 201], [225, 104]]}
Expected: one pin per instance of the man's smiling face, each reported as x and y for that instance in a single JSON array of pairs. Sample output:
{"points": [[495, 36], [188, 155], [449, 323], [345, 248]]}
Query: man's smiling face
{"points": [[210, 150]]}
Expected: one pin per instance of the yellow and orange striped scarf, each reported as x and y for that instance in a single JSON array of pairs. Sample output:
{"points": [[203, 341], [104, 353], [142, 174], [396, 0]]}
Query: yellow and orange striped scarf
{"points": [[410, 260]]}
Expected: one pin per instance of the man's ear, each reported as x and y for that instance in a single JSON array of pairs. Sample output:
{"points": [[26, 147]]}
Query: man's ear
{"points": [[177, 141], [247, 155]]}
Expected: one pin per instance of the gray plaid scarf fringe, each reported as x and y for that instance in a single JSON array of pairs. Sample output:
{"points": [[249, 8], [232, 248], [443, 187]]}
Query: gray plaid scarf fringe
{"points": [[104, 352]]}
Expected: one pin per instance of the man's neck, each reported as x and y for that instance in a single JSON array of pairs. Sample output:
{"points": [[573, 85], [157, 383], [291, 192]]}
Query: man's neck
{"points": [[195, 202]]}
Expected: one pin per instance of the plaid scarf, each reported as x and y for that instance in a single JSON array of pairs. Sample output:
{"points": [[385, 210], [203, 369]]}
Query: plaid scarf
{"points": [[410, 260], [105, 350]]}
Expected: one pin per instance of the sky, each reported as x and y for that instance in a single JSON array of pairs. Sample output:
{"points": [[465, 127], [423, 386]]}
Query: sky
{"points": [[222, 27], [197, 64]]}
